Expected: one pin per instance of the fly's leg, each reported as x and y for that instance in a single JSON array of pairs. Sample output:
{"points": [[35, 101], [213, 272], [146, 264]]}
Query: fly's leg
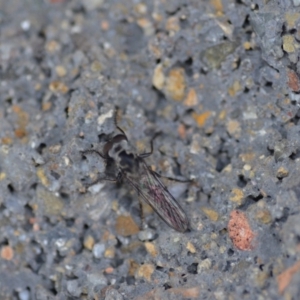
{"points": [[146, 154], [173, 179], [92, 151], [98, 180]]}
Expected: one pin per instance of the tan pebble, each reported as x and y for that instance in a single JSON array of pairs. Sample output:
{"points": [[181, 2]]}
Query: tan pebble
{"points": [[288, 43], [201, 118], [133, 266], [2, 176], [234, 128], [175, 84], [89, 242], [190, 247], [6, 140], [264, 216], [191, 98], [282, 172], [109, 253], [236, 87], [141, 8], [46, 106], [126, 226], [158, 79], [7, 253], [52, 46], [20, 133], [60, 71], [151, 249], [247, 45], [218, 6], [237, 196], [40, 172], [210, 213], [58, 87], [172, 24], [145, 271], [96, 66]]}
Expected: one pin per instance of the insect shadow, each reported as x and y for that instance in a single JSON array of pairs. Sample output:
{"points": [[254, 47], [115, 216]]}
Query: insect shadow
{"points": [[132, 168]]}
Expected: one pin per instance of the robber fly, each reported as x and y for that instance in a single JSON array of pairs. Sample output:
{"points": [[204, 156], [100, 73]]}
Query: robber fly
{"points": [[133, 169]]}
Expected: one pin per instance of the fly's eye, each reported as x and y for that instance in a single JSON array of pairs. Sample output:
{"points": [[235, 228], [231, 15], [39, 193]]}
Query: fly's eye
{"points": [[118, 148]]}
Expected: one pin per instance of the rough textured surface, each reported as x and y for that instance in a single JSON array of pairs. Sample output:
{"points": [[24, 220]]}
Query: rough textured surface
{"points": [[218, 79]]}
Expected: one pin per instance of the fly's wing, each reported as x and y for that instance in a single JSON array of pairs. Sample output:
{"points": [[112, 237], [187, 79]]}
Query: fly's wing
{"points": [[154, 193]]}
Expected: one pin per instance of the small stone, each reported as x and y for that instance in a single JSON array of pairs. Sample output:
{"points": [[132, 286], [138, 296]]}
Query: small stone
{"points": [[60, 71], [96, 66], [109, 270], [237, 195], [58, 87], [24, 295], [234, 128], [284, 279], [190, 247], [240, 231], [291, 18], [141, 8], [52, 204], [7, 253], [74, 288], [158, 78], [109, 253], [264, 216], [201, 118], [247, 45], [293, 80], [89, 242], [215, 55], [146, 235], [151, 249], [145, 271], [282, 172], [20, 133], [173, 24], [204, 265], [288, 43], [218, 6], [2, 176], [102, 118], [52, 46], [175, 84], [98, 250], [234, 89], [212, 214], [46, 106], [25, 25], [133, 266], [125, 226], [191, 99], [6, 140]]}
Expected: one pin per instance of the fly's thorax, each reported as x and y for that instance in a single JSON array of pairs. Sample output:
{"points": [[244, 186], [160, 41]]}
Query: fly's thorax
{"points": [[124, 157]]}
